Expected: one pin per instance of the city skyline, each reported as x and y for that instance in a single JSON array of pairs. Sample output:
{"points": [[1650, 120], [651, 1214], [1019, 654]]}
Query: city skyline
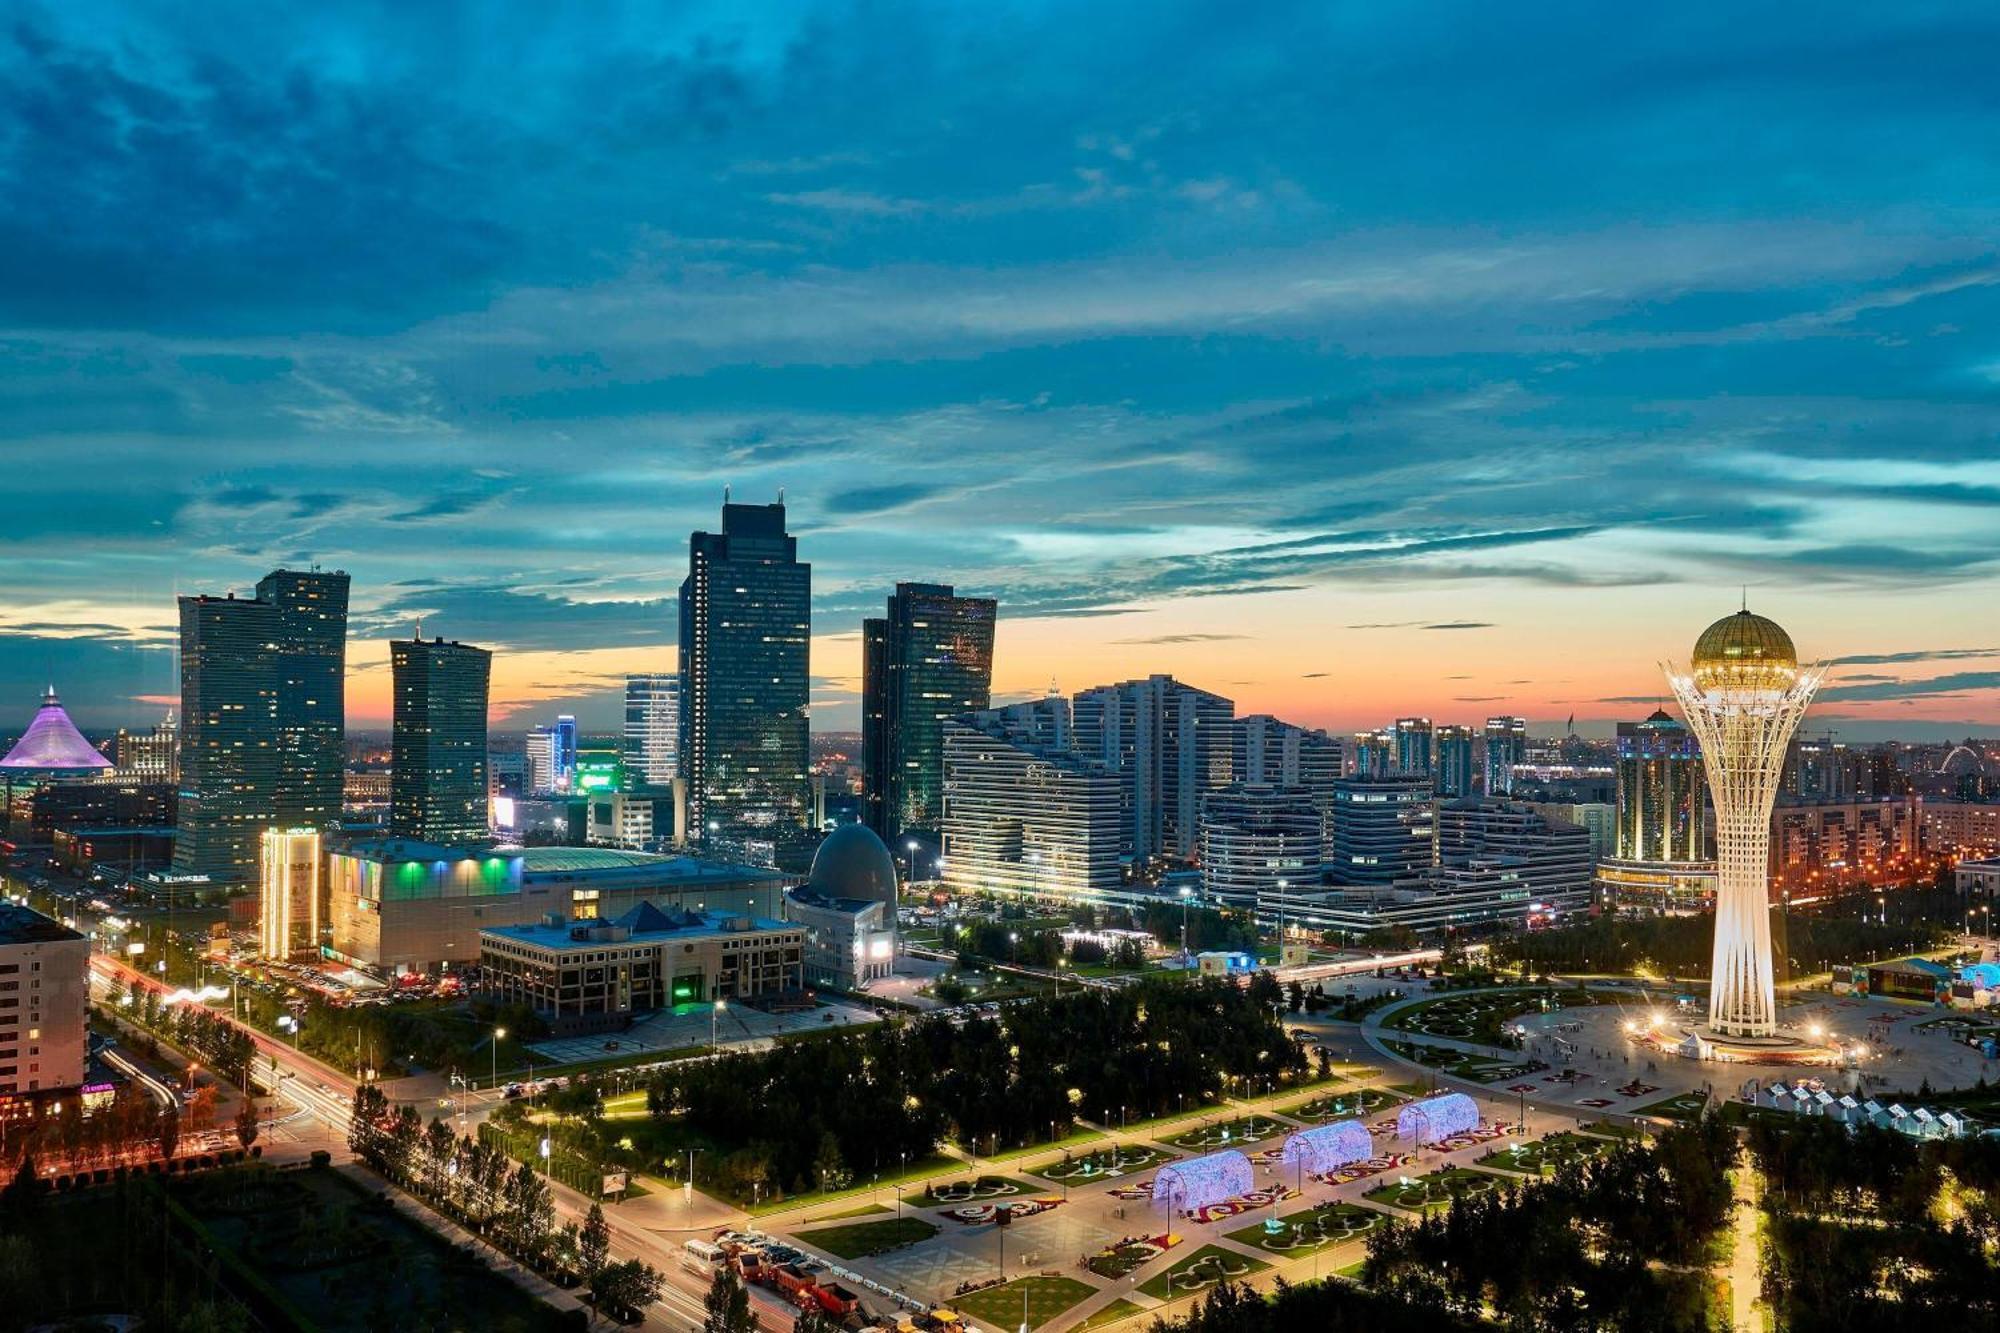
{"points": [[1400, 392]]}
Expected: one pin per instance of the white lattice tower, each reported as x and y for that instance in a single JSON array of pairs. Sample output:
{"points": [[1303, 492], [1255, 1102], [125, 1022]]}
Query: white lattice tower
{"points": [[1744, 726]]}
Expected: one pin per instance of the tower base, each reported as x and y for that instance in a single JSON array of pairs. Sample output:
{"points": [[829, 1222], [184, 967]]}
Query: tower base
{"points": [[1708, 1043]]}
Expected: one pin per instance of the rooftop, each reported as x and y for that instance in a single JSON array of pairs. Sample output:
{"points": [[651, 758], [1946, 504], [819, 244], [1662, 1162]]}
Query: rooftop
{"points": [[24, 925], [642, 923]]}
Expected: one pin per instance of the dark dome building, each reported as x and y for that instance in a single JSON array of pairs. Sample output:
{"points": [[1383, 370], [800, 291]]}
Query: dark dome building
{"points": [[848, 907], [854, 863]]}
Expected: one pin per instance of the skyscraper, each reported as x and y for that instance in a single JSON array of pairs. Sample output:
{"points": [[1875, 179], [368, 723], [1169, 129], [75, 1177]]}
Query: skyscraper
{"points": [[311, 662], [652, 731], [229, 735], [1024, 814], [1381, 828], [1413, 745], [930, 658], [1744, 695], [745, 635], [437, 783], [1506, 746], [1660, 795], [1269, 752], [1452, 776], [1171, 742], [539, 753], [565, 752]]}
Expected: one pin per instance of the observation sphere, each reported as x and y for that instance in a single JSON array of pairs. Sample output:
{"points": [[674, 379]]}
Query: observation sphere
{"points": [[1746, 651]]}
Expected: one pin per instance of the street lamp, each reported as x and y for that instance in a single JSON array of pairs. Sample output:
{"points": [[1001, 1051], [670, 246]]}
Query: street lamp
{"points": [[714, 1014], [1187, 894], [499, 1035]]}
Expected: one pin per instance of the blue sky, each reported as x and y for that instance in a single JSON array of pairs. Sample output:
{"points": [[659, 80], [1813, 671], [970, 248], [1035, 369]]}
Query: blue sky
{"points": [[1247, 342]]}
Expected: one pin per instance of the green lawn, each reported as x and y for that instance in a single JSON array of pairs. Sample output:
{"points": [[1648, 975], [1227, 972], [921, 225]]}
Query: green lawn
{"points": [[1342, 1105], [1460, 1064], [1228, 1133], [1311, 1229], [1199, 1271], [1047, 1298], [1605, 1129], [951, 1194], [1545, 1154], [1435, 1190], [857, 1240], [1103, 1164], [1119, 1309], [1072, 1139], [1681, 1106], [863, 1211], [928, 1169]]}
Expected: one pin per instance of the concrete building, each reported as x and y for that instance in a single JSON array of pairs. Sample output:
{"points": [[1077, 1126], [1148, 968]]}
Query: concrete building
{"points": [[44, 1009], [1820, 848], [622, 819], [1597, 819], [928, 659], [310, 659], [437, 783], [848, 909], [1411, 742], [595, 976], [148, 757], [1382, 828], [395, 905], [1023, 816], [1267, 752], [745, 635], [1658, 860], [1170, 744], [1978, 880], [1961, 828], [1506, 745], [1259, 840], [1451, 775]]}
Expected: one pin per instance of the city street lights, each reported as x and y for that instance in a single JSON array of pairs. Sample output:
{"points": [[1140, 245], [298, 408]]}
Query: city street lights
{"points": [[499, 1035], [1187, 895], [713, 1015]]}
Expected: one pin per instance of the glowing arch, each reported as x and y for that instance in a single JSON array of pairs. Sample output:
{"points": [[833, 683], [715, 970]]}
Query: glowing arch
{"points": [[1329, 1147], [1201, 1181], [1437, 1118]]}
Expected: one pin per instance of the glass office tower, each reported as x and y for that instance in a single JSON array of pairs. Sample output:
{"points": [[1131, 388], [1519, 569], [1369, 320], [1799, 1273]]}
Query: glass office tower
{"points": [[437, 779], [930, 658]]}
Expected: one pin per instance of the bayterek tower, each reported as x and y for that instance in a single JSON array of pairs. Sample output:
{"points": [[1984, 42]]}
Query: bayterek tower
{"points": [[1743, 695]]}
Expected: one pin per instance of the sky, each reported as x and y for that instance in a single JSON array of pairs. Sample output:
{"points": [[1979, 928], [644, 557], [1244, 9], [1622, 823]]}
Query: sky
{"points": [[1352, 361]]}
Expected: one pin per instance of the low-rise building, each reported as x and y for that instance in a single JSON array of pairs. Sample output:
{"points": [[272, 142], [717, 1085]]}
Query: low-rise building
{"points": [[398, 905], [848, 909], [595, 975]]}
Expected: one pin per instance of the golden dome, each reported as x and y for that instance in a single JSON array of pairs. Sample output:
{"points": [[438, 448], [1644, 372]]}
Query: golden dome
{"points": [[1745, 648]]}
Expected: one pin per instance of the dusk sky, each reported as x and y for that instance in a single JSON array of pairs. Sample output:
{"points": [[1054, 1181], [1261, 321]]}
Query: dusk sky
{"points": [[1347, 362]]}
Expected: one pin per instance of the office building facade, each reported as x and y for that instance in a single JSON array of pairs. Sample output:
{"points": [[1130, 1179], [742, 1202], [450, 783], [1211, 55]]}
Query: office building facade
{"points": [[437, 786], [1451, 775], [1258, 840], [1024, 816], [745, 634], [310, 657], [1170, 743], [44, 1008], [229, 736], [652, 731], [289, 894], [1382, 828], [1506, 746], [928, 659]]}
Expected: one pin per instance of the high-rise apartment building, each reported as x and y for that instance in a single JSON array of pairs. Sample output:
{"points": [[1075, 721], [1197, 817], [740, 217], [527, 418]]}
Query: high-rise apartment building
{"points": [[1381, 828], [1506, 746], [1268, 752], [1370, 754], [229, 735], [1024, 816], [1502, 860], [1171, 744], [310, 656], [564, 733], [1660, 791], [437, 786], [539, 754], [745, 635], [1451, 773], [652, 731], [928, 659], [1411, 737], [1258, 840]]}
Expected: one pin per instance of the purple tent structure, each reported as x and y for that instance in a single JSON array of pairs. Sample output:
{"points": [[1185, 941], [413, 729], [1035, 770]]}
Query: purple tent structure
{"points": [[1201, 1181], [1437, 1118], [52, 744], [1329, 1147]]}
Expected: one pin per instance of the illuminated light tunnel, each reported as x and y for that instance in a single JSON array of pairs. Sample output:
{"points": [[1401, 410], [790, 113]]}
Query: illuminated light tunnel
{"points": [[1437, 1118], [1202, 1181], [1329, 1147]]}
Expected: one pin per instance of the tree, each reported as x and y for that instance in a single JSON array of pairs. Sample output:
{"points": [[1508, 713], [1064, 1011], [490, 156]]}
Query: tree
{"points": [[829, 1167], [246, 1122], [593, 1243], [24, 1193], [726, 1308], [167, 1132], [628, 1287], [814, 1320]]}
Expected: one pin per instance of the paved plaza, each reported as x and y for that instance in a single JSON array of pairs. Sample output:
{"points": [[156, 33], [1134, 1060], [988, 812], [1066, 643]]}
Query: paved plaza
{"points": [[688, 1025]]}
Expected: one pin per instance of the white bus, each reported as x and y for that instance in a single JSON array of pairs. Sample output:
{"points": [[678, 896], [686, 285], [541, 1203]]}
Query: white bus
{"points": [[703, 1257]]}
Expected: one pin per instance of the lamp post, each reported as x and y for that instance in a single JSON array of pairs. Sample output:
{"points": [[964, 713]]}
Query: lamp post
{"points": [[499, 1035], [713, 1014], [1187, 895]]}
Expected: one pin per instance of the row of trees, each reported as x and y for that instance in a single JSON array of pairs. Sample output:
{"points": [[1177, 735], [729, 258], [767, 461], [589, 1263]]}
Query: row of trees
{"points": [[219, 1043], [1325, 1307], [130, 1131], [1870, 1226], [1615, 1243], [809, 1117], [514, 1209], [1684, 945]]}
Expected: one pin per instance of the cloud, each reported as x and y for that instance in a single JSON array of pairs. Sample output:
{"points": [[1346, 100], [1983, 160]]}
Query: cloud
{"points": [[1953, 683], [1183, 638], [877, 499], [1462, 624], [1922, 655]]}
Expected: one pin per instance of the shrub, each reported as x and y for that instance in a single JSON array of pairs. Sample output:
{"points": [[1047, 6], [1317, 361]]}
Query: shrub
{"points": [[321, 1157]]}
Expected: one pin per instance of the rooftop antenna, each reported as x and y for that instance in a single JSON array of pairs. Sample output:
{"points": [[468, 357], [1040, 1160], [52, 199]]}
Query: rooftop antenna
{"points": [[781, 495], [1746, 597], [725, 492]]}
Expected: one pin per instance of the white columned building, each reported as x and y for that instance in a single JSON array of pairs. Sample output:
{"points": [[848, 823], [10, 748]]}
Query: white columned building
{"points": [[1743, 695]]}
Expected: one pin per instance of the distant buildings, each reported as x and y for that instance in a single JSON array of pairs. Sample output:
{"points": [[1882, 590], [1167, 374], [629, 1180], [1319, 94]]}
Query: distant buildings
{"points": [[1258, 840], [652, 731], [745, 630], [1171, 744], [928, 659], [148, 757], [1659, 860], [437, 789], [1267, 752], [1452, 776], [1506, 746], [1025, 813], [44, 1009], [1822, 848]]}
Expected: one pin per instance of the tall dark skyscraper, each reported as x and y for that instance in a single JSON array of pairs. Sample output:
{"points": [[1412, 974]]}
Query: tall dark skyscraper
{"points": [[311, 661], [229, 735], [930, 658], [437, 779], [745, 639]]}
